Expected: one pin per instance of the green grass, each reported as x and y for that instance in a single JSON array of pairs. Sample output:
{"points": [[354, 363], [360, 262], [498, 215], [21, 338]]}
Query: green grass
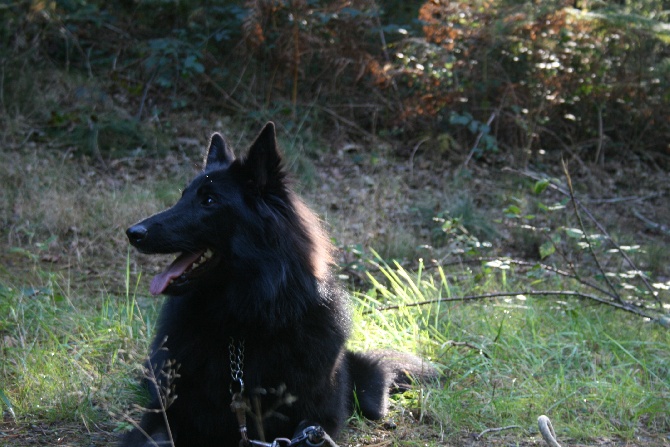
{"points": [[67, 362], [74, 333], [593, 370]]}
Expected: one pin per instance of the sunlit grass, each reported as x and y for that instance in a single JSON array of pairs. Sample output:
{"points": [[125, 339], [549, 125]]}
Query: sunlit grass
{"points": [[593, 370], [65, 362]]}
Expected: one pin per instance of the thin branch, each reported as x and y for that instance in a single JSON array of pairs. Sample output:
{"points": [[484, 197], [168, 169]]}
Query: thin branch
{"points": [[411, 157], [566, 148], [495, 430], [479, 137], [521, 263], [145, 91], [583, 228], [141, 430], [348, 122], [651, 224], [233, 104], [618, 305], [625, 199], [599, 227], [467, 345], [600, 156]]}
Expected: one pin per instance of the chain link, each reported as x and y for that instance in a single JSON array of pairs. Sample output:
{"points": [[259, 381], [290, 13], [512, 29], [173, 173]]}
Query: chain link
{"points": [[236, 353]]}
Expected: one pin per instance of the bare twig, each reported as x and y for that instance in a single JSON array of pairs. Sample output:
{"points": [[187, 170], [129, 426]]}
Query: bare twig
{"points": [[600, 155], [495, 430], [348, 122], [617, 297], [651, 224], [479, 137], [145, 91], [467, 345], [141, 430], [329, 440], [232, 103], [411, 157], [565, 146], [599, 226], [625, 199], [522, 263], [165, 399], [622, 306]]}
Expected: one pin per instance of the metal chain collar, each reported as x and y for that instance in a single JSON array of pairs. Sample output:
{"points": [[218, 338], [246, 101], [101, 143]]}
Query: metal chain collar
{"points": [[313, 436], [236, 353]]}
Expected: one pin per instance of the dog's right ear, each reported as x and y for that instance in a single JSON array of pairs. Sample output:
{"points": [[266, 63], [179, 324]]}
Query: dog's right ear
{"points": [[219, 155]]}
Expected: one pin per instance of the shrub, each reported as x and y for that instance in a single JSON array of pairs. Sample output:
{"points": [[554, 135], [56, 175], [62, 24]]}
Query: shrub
{"points": [[554, 76], [546, 76]]}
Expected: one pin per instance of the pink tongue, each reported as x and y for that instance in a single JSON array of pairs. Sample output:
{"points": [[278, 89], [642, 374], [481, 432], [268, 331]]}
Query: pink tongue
{"points": [[178, 266]]}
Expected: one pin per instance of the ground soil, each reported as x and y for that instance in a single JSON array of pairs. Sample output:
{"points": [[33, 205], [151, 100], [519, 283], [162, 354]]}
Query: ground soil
{"points": [[373, 435]]}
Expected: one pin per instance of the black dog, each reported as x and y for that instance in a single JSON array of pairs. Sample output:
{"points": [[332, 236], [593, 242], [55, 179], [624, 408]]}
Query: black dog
{"points": [[253, 312]]}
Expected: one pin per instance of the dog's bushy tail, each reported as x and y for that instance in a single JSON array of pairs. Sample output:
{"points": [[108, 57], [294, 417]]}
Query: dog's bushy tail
{"points": [[376, 374]]}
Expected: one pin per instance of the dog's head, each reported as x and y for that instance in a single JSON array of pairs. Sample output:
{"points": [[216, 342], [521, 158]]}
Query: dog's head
{"points": [[237, 220]]}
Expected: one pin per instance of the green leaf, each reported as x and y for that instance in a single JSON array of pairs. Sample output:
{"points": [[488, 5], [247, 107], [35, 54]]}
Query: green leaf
{"points": [[574, 233], [460, 119], [547, 249], [540, 186], [353, 12], [191, 63], [512, 211]]}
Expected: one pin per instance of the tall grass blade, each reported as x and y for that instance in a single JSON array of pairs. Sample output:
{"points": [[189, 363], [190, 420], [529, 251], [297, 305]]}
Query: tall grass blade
{"points": [[8, 404]]}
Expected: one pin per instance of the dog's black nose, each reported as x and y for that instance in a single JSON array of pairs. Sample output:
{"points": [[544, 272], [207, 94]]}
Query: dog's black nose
{"points": [[136, 233]]}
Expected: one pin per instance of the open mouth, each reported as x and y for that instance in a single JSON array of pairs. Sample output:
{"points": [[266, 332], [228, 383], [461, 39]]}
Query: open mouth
{"points": [[185, 267]]}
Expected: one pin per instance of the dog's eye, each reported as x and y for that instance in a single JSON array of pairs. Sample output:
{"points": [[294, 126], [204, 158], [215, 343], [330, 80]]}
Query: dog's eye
{"points": [[208, 201]]}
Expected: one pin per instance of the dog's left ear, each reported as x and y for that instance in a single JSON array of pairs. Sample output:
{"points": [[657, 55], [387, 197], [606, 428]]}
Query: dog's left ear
{"points": [[219, 155], [264, 160]]}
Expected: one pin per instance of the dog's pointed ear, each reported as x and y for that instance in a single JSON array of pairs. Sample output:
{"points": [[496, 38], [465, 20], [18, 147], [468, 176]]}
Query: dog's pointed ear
{"points": [[264, 160], [219, 154]]}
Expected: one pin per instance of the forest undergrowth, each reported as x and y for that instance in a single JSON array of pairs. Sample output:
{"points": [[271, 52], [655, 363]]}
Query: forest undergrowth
{"points": [[494, 176]]}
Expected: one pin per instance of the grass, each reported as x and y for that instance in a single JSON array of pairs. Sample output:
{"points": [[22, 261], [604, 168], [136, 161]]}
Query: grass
{"points": [[76, 320], [63, 362], [592, 370]]}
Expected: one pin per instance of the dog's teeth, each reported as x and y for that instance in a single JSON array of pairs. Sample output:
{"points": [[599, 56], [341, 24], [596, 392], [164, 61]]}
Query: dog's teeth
{"points": [[200, 261]]}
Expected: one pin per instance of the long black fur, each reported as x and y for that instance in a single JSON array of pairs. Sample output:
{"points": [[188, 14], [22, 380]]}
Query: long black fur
{"points": [[268, 284]]}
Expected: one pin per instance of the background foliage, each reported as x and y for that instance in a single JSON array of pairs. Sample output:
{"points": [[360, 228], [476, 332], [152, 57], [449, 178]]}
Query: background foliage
{"points": [[589, 77], [92, 91]]}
